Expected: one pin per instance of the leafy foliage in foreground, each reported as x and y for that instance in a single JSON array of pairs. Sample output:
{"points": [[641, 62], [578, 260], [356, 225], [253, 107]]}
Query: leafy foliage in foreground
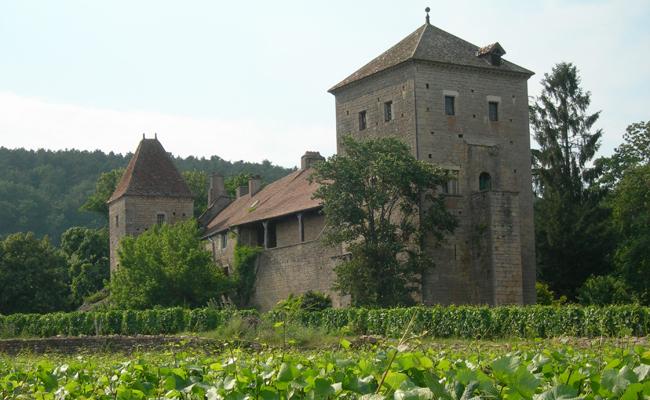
{"points": [[441, 322], [539, 373], [168, 266]]}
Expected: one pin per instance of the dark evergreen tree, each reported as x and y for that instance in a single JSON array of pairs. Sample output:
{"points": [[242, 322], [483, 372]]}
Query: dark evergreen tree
{"points": [[573, 232]]}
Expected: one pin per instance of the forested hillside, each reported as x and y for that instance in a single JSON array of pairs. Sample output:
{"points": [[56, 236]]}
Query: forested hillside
{"points": [[41, 191]]}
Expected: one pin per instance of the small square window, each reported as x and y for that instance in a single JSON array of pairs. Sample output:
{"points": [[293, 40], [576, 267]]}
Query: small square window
{"points": [[450, 105], [362, 120], [388, 111], [493, 107], [160, 218]]}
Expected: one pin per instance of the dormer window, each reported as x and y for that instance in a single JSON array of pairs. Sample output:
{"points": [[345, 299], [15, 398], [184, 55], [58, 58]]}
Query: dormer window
{"points": [[492, 53]]}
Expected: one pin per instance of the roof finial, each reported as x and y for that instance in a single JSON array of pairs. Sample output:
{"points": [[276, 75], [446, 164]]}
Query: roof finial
{"points": [[427, 11], [142, 135], [155, 135]]}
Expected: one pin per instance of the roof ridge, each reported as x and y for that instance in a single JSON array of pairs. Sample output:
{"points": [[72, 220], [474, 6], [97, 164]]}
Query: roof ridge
{"points": [[417, 45]]}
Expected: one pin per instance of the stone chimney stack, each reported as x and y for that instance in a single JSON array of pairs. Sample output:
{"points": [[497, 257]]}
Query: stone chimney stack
{"points": [[241, 191], [254, 185], [309, 158], [217, 188]]}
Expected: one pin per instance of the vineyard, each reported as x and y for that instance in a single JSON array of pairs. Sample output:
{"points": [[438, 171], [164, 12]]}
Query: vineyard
{"points": [[415, 370]]}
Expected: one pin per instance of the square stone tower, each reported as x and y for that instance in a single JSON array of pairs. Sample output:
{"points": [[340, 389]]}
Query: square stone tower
{"points": [[465, 109], [151, 191]]}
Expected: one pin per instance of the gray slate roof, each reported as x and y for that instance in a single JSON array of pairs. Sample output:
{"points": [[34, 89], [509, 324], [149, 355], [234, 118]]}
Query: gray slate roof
{"points": [[151, 172], [429, 43]]}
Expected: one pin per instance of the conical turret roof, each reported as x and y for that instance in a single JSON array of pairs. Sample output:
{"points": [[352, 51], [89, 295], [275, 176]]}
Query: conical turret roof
{"points": [[151, 172]]}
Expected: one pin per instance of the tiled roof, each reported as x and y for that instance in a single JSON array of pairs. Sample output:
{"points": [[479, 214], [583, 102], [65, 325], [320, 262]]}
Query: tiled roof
{"points": [[429, 43], [151, 172], [288, 195]]}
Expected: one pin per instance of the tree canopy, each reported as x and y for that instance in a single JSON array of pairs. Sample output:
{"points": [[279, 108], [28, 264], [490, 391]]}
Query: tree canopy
{"points": [[43, 191], [33, 276], [380, 201]]}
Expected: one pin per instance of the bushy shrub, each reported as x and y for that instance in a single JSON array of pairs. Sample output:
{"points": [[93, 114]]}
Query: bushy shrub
{"points": [[604, 290], [315, 301], [546, 297]]}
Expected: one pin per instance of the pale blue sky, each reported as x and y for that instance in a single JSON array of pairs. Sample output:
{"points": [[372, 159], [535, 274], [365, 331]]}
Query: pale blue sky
{"points": [[248, 80]]}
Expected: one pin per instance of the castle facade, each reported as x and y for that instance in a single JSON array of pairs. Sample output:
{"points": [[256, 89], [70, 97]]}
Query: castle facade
{"points": [[459, 106]]}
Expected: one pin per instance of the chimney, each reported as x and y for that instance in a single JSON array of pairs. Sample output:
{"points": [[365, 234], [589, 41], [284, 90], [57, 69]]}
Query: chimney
{"points": [[217, 188], [309, 158], [241, 191], [254, 185]]}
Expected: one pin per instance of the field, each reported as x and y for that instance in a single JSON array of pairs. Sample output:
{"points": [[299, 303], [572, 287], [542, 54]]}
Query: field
{"points": [[416, 368]]}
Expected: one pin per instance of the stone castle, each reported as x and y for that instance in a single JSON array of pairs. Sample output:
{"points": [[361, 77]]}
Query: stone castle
{"points": [[457, 105]]}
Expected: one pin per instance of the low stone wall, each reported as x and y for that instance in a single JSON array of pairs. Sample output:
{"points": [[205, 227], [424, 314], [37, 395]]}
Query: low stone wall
{"points": [[95, 344], [294, 270]]}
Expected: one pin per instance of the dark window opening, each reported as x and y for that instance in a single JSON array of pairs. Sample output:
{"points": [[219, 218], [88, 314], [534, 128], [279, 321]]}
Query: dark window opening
{"points": [[224, 240], [450, 105], [493, 107], [160, 218], [484, 181], [388, 111], [362, 120], [259, 234], [273, 238], [117, 220]]}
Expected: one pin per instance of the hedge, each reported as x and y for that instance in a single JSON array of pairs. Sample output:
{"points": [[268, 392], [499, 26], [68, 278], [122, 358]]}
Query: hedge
{"points": [[488, 322], [117, 322], [443, 322]]}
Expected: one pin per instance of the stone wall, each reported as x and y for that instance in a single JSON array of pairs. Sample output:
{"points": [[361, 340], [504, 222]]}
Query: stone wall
{"points": [[294, 270], [396, 85]]}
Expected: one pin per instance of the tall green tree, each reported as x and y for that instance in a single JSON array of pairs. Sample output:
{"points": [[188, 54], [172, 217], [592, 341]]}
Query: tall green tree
{"points": [[87, 254], [198, 184], [380, 202], [33, 276], [633, 152], [572, 228], [167, 265], [631, 203]]}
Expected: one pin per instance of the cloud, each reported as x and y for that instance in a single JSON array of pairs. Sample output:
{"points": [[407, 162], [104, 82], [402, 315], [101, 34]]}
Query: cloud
{"points": [[36, 123]]}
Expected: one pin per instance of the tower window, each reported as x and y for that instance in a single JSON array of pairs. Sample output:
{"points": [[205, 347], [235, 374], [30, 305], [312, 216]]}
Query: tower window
{"points": [[224, 240], [451, 185], [160, 218], [362, 120], [450, 105], [484, 181], [388, 111], [117, 220], [493, 109]]}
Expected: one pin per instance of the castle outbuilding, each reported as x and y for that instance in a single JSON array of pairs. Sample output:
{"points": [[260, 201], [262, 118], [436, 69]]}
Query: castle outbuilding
{"points": [[151, 191]]}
